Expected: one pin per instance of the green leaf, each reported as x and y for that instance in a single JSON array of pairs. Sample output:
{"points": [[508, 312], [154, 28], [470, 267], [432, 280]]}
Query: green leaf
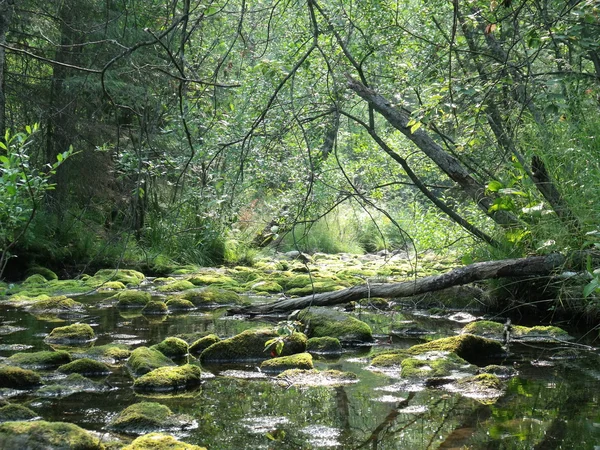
{"points": [[590, 287], [279, 347], [494, 186], [415, 127], [4, 160]]}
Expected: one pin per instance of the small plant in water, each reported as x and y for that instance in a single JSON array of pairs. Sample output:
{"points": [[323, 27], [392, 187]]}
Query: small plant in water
{"points": [[284, 329]]}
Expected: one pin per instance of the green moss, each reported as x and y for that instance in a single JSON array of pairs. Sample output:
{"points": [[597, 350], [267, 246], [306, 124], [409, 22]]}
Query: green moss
{"points": [[179, 304], [144, 417], [40, 360], [12, 412], [132, 299], [324, 345], [468, 346], [155, 307], [85, 366], [144, 360], [74, 383], [56, 304], [212, 295], [169, 378], [290, 280], [112, 286], [47, 435], [108, 353], [250, 346], [318, 286], [203, 343], [71, 334], [185, 270], [160, 441], [483, 380], [180, 285], [297, 361], [213, 278], [315, 377], [127, 277], [433, 365], [484, 328], [389, 359], [328, 322], [48, 274], [172, 347], [550, 331], [18, 378], [266, 286], [495, 330], [34, 280]]}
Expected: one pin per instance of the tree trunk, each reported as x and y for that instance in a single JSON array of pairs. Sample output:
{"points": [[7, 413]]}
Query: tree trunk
{"points": [[521, 267], [6, 10]]}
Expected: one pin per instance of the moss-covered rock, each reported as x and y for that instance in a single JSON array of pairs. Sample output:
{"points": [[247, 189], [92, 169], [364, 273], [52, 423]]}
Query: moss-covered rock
{"points": [[300, 377], [485, 388], [145, 417], [71, 334], [155, 307], [435, 364], [108, 353], [212, 295], [112, 286], [179, 304], [85, 366], [18, 378], [42, 435], [298, 361], [250, 346], [48, 274], [324, 345], [13, 412], [265, 286], [132, 299], [203, 343], [212, 278], [328, 322], [389, 359], [169, 378], [74, 383], [160, 441], [317, 287], [172, 347], [40, 360], [144, 360], [125, 276], [468, 346], [180, 285], [495, 330], [58, 304], [35, 280]]}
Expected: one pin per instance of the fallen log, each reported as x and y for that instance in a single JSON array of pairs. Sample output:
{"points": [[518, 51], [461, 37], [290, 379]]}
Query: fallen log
{"points": [[520, 267]]}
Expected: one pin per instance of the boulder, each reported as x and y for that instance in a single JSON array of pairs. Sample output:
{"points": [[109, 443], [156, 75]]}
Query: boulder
{"points": [[160, 441], [40, 360], [17, 378], [13, 412], [323, 322], [155, 307], [324, 345], [144, 360], [78, 333], [86, 367], [47, 436], [203, 343], [172, 347], [283, 363], [169, 378], [132, 299], [146, 417]]}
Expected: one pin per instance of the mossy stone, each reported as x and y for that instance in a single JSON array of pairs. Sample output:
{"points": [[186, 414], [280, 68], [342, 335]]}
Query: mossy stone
{"points": [[108, 353], [12, 412], [172, 347], [249, 345], [495, 330], [214, 278], [266, 286], [389, 359], [85, 366], [125, 276], [324, 345], [144, 360], [169, 378], [71, 334], [18, 378], [212, 295], [203, 343], [43, 271], [298, 361], [155, 307], [313, 377], [112, 286], [132, 299], [435, 364], [34, 280], [72, 384], [42, 435], [179, 304], [180, 285], [160, 441], [145, 417], [40, 360], [468, 346], [328, 322], [56, 304], [317, 287]]}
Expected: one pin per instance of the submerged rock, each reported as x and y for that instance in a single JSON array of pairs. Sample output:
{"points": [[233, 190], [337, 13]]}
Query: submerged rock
{"points": [[172, 347], [179, 304], [146, 417], [155, 307], [299, 377], [324, 345], [47, 436], [86, 367], [160, 441], [40, 360], [144, 360], [486, 388], [323, 322], [132, 299], [73, 384], [13, 412], [250, 346], [77, 333], [169, 378], [435, 364], [17, 378], [108, 353], [283, 363], [203, 343]]}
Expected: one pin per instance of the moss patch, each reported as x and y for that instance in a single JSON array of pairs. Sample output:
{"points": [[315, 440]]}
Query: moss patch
{"points": [[160, 441], [435, 364], [85, 366], [495, 330], [328, 322], [56, 305], [125, 276], [175, 286], [144, 360], [324, 345], [35, 280], [468, 346], [213, 278], [132, 299], [203, 343], [299, 377], [172, 347], [169, 378], [73, 384], [12, 412], [108, 353], [71, 334], [145, 417], [155, 307], [212, 295], [18, 378], [265, 286], [47, 435], [179, 304], [297, 361], [48, 274], [40, 360]]}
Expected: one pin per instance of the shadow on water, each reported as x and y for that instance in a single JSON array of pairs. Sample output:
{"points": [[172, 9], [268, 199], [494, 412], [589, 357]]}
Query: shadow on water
{"points": [[552, 403]]}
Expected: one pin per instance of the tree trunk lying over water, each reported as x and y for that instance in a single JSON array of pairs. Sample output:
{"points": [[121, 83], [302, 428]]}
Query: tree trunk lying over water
{"points": [[521, 267]]}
